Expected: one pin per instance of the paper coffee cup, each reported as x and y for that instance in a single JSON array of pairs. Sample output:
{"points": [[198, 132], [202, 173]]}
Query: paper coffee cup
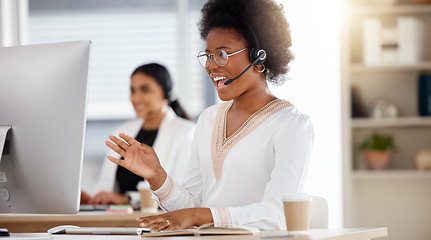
{"points": [[297, 211], [147, 203]]}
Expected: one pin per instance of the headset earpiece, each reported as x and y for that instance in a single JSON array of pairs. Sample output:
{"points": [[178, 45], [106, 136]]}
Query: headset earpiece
{"points": [[258, 55]]}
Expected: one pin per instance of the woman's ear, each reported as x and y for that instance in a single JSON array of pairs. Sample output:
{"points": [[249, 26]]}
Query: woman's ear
{"points": [[259, 68], [165, 102]]}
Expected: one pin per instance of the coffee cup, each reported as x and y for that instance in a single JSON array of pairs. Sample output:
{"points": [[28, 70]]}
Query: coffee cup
{"points": [[147, 203], [297, 211]]}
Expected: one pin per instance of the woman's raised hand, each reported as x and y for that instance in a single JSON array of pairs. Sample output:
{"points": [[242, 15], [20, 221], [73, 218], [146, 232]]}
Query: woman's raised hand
{"points": [[139, 158]]}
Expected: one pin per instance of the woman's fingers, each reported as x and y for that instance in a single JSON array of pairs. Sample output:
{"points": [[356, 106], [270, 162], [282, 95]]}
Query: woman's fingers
{"points": [[120, 142], [121, 146], [115, 160], [129, 139], [148, 221], [179, 219], [163, 225], [116, 148], [172, 225], [156, 223]]}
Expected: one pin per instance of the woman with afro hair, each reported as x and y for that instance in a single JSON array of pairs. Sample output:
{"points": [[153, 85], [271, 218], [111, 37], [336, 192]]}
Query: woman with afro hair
{"points": [[248, 151]]}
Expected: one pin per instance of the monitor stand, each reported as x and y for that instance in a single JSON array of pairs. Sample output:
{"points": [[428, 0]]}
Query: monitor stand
{"points": [[3, 133]]}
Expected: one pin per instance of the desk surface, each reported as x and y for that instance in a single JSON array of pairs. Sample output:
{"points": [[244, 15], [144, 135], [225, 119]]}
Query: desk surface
{"points": [[81, 216], [24, 223], [313, 234]]}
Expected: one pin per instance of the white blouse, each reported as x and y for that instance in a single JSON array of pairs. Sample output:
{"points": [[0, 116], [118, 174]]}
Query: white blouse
{"points": [[243, 178]]}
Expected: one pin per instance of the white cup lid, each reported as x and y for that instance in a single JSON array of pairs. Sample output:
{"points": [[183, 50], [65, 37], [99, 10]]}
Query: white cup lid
{"points": [[142, 185], [297, 197]]}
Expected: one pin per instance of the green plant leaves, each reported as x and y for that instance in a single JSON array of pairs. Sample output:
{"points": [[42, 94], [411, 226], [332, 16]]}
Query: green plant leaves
{"points": [[379, 142]]}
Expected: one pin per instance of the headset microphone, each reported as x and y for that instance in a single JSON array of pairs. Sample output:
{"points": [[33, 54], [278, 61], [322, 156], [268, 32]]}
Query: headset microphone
{"points": [[262, 54]]}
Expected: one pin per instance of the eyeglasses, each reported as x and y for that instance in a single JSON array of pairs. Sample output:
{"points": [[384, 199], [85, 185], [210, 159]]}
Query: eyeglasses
{"points": [[220, 57]]}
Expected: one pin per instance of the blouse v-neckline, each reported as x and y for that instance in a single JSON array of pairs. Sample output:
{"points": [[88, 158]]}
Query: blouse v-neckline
{"points": [[221, 145]]}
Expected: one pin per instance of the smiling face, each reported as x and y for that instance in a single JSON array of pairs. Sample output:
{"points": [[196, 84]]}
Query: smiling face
{"points": [[230, 40], [147, 96]]}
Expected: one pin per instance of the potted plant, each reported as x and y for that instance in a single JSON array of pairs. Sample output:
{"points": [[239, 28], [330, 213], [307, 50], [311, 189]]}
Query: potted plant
{"points": [[377, 150]]}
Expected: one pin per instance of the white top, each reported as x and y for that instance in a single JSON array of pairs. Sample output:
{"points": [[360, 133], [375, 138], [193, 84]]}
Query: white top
{"points": [[172, 145], [244, 177]]}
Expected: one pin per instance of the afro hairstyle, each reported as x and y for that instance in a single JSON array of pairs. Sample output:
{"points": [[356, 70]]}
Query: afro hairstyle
{"points": [[263, 18]]}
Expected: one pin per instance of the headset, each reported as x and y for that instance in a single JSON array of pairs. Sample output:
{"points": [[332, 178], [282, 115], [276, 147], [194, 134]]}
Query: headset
{"points": [[257, 55]]}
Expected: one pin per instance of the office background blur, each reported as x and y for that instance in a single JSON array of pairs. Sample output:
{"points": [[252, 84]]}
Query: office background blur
{"points": [[127, 33]]}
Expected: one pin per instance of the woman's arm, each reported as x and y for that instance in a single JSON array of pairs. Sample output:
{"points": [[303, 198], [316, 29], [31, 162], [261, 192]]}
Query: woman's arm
{"points": [[140, 160], [173, 195]]}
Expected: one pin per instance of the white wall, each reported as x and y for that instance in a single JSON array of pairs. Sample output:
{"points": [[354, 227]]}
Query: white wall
{"points": [[314, 88]]}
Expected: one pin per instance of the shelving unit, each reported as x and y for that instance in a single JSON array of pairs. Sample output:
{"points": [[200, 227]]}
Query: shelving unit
{"points": [[392, 174], [361, 68], [388, 123], [398, 198], [403, 8]]}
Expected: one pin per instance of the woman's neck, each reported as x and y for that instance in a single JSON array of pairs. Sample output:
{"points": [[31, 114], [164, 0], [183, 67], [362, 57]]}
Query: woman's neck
{"points": [[153, 122], [250, 102], [244, 106]]}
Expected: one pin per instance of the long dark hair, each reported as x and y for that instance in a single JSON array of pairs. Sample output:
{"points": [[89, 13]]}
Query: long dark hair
{"points": [[163, 78]]}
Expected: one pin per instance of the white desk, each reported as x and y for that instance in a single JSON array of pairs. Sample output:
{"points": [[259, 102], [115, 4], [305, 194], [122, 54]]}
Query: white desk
{"points": [[313, 234], [24, 223]]}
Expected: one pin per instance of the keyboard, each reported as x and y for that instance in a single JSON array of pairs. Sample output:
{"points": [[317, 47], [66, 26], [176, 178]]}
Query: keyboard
{"points": [[93, 207]]}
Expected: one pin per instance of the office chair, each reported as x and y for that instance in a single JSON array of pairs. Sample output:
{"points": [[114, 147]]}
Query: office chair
{"points": [[319, 213]]}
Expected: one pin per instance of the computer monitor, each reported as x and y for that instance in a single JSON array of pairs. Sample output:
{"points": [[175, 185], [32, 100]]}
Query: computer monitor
{"points": [[43, 95]]}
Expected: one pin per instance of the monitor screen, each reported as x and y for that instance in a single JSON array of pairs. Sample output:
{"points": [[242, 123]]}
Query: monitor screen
{"points": [[43, 95]]}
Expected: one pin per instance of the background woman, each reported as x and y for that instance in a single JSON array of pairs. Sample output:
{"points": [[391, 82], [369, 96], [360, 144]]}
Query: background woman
{"points": [[161, 123], [248, 151]]}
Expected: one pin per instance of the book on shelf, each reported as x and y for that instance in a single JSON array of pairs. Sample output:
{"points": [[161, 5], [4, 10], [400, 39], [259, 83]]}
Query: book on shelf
{"points": [[357, 104], [424, 95], [206, 229]]}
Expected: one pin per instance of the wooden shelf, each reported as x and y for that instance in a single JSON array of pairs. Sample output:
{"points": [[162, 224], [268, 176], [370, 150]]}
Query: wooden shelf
{"points": [[361, 68], [392, 9], [396, 122], [390, 174]]}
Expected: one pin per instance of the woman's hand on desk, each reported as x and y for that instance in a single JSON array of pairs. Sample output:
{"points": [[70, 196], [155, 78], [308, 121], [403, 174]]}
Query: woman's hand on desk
{"points": [[139, 158], [85, 197], [175, 220], [108, 198], [103, 198]]}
